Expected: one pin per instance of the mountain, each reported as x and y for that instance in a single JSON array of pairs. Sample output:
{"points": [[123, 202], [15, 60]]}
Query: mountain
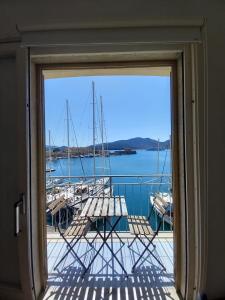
{"points": [[135, 143], [55, 148]]}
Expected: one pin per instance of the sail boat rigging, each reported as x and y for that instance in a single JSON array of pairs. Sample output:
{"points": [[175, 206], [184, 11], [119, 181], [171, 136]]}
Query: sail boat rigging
{"points": [[103, 136], [162, 199], [68, 138], [104, 180], [49, 182], [78, 192], [49, 169], [93, 110]]}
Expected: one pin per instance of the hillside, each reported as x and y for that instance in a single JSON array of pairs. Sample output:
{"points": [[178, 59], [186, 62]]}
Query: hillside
{"points": [[136, 143], [133, 143]]}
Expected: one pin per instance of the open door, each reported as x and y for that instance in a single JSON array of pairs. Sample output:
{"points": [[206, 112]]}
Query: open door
{"points": [[23, 209], [31, 188], [16, 276]]}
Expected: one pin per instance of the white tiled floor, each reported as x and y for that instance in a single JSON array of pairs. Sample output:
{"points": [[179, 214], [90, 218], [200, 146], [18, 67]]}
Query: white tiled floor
{"points": [[105, 279]]}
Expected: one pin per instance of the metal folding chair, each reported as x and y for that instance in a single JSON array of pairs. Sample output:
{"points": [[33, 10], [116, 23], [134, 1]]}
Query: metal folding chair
{"points": [[140, 227], [77, 229]]}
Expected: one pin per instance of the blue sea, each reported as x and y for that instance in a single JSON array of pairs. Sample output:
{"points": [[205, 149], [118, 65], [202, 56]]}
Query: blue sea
{"points": [[136, 190]]}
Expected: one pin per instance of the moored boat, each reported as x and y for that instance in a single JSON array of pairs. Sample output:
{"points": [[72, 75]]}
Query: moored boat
{"points": [[77, 193]]}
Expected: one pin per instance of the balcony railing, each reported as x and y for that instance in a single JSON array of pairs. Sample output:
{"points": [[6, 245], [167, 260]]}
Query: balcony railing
{"points": [[137, 190]]}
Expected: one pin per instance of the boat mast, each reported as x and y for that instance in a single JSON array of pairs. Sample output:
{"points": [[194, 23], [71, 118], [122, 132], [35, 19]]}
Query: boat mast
{"points": [[49, 142], [102, 134], [68, 137], [93, 107], [49, 151], [170, 145], [158, 159]]}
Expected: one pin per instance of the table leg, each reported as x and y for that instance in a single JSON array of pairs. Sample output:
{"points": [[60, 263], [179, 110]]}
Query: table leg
{"points": [[110, 249], [104, 238], [116, 232]]}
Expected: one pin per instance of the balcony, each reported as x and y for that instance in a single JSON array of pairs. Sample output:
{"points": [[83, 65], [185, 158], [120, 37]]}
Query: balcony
{"points": [[105, 279]]}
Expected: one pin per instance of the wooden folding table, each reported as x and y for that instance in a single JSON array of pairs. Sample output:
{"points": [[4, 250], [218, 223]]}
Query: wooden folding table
{"points": [[106, 208]]}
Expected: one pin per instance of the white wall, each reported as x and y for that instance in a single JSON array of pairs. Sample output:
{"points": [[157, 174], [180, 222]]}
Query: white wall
{"points": [[20, 15]]}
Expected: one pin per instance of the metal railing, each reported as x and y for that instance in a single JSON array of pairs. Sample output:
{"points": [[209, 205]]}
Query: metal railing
{"points": [[137, 189]]}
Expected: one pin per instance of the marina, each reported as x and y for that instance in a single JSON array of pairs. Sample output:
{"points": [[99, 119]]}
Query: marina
{"points": [[137, 188], [108, 217]]}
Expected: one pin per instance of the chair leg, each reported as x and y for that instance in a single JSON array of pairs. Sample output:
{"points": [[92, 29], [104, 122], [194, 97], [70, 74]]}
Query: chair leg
{"points": [[159, 262], [94, 238], [68, 251], [132, 242], [134, 266], [147, 249], [114, 231], [150, 242], [89, 243], [119, 237]]}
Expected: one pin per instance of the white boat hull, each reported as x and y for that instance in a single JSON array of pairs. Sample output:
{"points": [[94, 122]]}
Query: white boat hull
{"points": [[78, 193]]}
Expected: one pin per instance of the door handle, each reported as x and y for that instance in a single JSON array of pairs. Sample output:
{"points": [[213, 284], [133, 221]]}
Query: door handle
{"points": [[17, 207]]}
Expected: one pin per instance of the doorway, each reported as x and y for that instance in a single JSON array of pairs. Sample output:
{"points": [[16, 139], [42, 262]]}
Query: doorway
{"points": [[58, 156]]}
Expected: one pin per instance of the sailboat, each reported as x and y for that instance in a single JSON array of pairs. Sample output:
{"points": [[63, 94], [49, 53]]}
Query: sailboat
{"points": [[77, 193], [163, 199], [50, 183]]}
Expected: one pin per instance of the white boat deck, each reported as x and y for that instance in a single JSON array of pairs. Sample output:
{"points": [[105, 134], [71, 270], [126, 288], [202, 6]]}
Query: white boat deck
{"points": [[105, 279]]}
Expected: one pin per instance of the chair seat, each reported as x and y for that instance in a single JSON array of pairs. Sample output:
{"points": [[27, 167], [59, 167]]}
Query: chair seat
{"points": [[139, 225], [79, 226]]}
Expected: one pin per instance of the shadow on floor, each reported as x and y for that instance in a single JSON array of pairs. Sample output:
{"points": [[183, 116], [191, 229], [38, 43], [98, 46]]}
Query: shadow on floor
{"points": [[106, 281], [149, 283]]}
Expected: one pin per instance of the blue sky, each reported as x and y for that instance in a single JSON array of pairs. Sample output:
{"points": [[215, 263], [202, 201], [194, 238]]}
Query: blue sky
{"points": [[134, 106]]}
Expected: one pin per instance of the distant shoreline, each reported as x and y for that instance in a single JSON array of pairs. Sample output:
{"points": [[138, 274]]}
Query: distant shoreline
{"points": [[114, 153]]}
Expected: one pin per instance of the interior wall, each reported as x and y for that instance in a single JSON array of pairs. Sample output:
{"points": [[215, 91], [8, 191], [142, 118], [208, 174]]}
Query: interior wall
{"points": [[9, 256], [30, 15]]}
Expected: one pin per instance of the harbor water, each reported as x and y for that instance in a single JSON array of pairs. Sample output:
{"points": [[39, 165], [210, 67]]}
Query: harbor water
{"points": [[137, 190]]}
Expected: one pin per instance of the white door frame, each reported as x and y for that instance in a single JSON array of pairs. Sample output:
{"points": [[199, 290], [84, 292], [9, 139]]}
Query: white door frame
{"points": [[191, 239]]}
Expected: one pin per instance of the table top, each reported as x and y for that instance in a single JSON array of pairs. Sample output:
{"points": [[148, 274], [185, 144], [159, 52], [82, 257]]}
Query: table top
{"points": [[105, 206]]}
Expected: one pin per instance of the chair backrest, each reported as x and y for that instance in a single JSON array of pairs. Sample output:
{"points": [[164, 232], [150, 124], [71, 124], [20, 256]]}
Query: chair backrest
{"points": [[57, 204], [159, 206], [160, 211], [61, 212]]}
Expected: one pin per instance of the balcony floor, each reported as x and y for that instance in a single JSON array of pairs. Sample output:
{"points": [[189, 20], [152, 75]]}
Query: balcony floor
{"points": [[105, 279]]}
